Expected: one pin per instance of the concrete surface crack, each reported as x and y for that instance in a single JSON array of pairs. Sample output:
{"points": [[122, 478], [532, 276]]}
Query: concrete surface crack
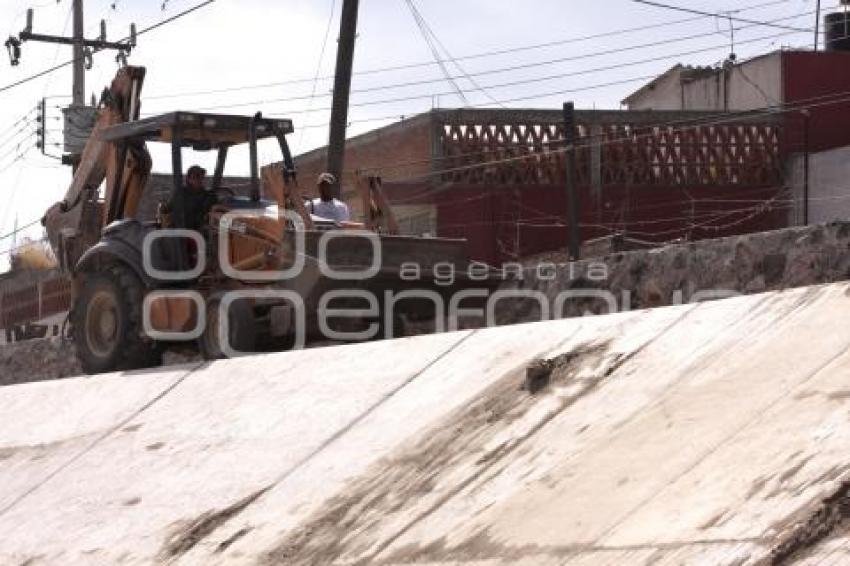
{"points": [[12, 504]]}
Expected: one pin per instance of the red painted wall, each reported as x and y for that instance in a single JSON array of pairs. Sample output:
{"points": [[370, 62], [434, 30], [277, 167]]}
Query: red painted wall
{"points": [[503, 224], [806, 76]]}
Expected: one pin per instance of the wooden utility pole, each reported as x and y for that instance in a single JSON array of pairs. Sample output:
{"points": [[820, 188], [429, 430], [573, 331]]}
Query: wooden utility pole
{"points": [[342, 90], [79, 86], [573, 204], [83, 50], [82, 47]]}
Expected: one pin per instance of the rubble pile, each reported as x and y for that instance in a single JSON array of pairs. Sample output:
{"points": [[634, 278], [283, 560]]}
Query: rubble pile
{"points": [[37, 360], [54, 358], [681, 273]]}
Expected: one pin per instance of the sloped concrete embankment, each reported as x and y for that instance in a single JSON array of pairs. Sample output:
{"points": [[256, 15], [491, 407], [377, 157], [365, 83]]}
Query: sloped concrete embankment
{"points": [[714, 433]]}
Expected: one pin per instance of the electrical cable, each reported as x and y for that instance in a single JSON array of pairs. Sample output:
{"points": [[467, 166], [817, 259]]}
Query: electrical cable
{"points": [[435, 52], [20, 120], [16, 148], [15, 135], [615, 33], [319, 64], [719, 15], [501, 70], [20, 229]]}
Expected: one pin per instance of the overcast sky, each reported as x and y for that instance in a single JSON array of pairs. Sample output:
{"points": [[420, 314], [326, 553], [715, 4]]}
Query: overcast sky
{"points": [[241, 44]]}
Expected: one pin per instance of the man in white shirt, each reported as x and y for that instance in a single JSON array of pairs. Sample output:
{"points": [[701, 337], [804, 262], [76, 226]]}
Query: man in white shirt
{"points": [[326, 206]]}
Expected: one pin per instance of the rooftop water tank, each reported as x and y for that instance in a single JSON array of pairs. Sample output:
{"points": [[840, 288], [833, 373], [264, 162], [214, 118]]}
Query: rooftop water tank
{"points": [[837, 26]]}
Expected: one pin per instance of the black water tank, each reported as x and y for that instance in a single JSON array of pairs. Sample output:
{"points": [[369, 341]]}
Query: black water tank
{"points": [[837, 31]]}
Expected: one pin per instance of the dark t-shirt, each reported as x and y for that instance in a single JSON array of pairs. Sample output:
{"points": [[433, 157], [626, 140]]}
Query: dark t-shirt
{"points": [[196, 205]]}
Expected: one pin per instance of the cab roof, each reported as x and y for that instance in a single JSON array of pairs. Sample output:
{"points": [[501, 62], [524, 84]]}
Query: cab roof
{"points": [[196, 129]]}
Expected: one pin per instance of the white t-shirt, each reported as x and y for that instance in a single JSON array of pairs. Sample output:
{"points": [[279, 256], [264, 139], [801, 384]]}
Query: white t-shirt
{"points": [[335, 209]]}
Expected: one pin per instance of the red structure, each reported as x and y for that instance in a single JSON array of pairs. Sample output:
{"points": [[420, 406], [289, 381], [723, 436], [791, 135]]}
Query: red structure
{"points": [[497, 177], [820, 84], [32, 296]]}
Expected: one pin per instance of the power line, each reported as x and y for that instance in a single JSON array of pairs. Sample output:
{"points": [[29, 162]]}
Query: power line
{"points": [[430, 95], [319, 63], [718, 15], [435, 52], [453, 60], [20, 229], [480, 55], [19, 120], [143, 31], [173, 18], [569, 74], [17, 148], [508, 69], [634, 79], [15, 135]]}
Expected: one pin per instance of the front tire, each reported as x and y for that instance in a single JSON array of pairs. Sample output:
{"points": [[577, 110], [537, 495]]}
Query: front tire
{"points": [[106, 323]]}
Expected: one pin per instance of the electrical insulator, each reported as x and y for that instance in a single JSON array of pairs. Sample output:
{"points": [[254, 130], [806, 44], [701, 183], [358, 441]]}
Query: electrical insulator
{"points": [[41, 128], [13, 46]]}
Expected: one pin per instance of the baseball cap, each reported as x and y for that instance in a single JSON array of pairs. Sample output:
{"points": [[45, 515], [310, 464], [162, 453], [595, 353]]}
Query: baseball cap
{"points": [[326, 178]]}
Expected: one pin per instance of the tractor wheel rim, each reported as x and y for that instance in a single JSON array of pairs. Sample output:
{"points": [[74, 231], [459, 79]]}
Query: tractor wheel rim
{"points": [[102, 324]]}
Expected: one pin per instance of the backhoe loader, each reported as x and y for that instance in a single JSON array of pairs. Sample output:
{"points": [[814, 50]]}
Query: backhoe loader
{"points": [[260, 274]]}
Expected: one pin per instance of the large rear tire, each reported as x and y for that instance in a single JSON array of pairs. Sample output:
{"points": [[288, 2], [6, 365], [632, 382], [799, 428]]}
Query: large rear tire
{"points": [[106, 323]]}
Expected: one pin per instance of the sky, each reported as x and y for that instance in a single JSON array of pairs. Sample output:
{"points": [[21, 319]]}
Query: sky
{"points": [[265, 56]]}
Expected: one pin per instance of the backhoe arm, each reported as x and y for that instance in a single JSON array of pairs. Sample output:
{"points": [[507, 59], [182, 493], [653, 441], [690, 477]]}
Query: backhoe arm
{"points": [[74, 223]]}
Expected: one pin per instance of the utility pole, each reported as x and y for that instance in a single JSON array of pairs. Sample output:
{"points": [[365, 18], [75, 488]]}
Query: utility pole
{"points": [[573, 205], [817, 25], [79, 118], [83, 48], [342, 89], [79, 86]]}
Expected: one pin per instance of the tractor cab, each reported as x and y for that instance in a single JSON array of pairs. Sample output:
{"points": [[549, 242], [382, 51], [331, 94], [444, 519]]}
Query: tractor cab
{"points": [[200, 132]]}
